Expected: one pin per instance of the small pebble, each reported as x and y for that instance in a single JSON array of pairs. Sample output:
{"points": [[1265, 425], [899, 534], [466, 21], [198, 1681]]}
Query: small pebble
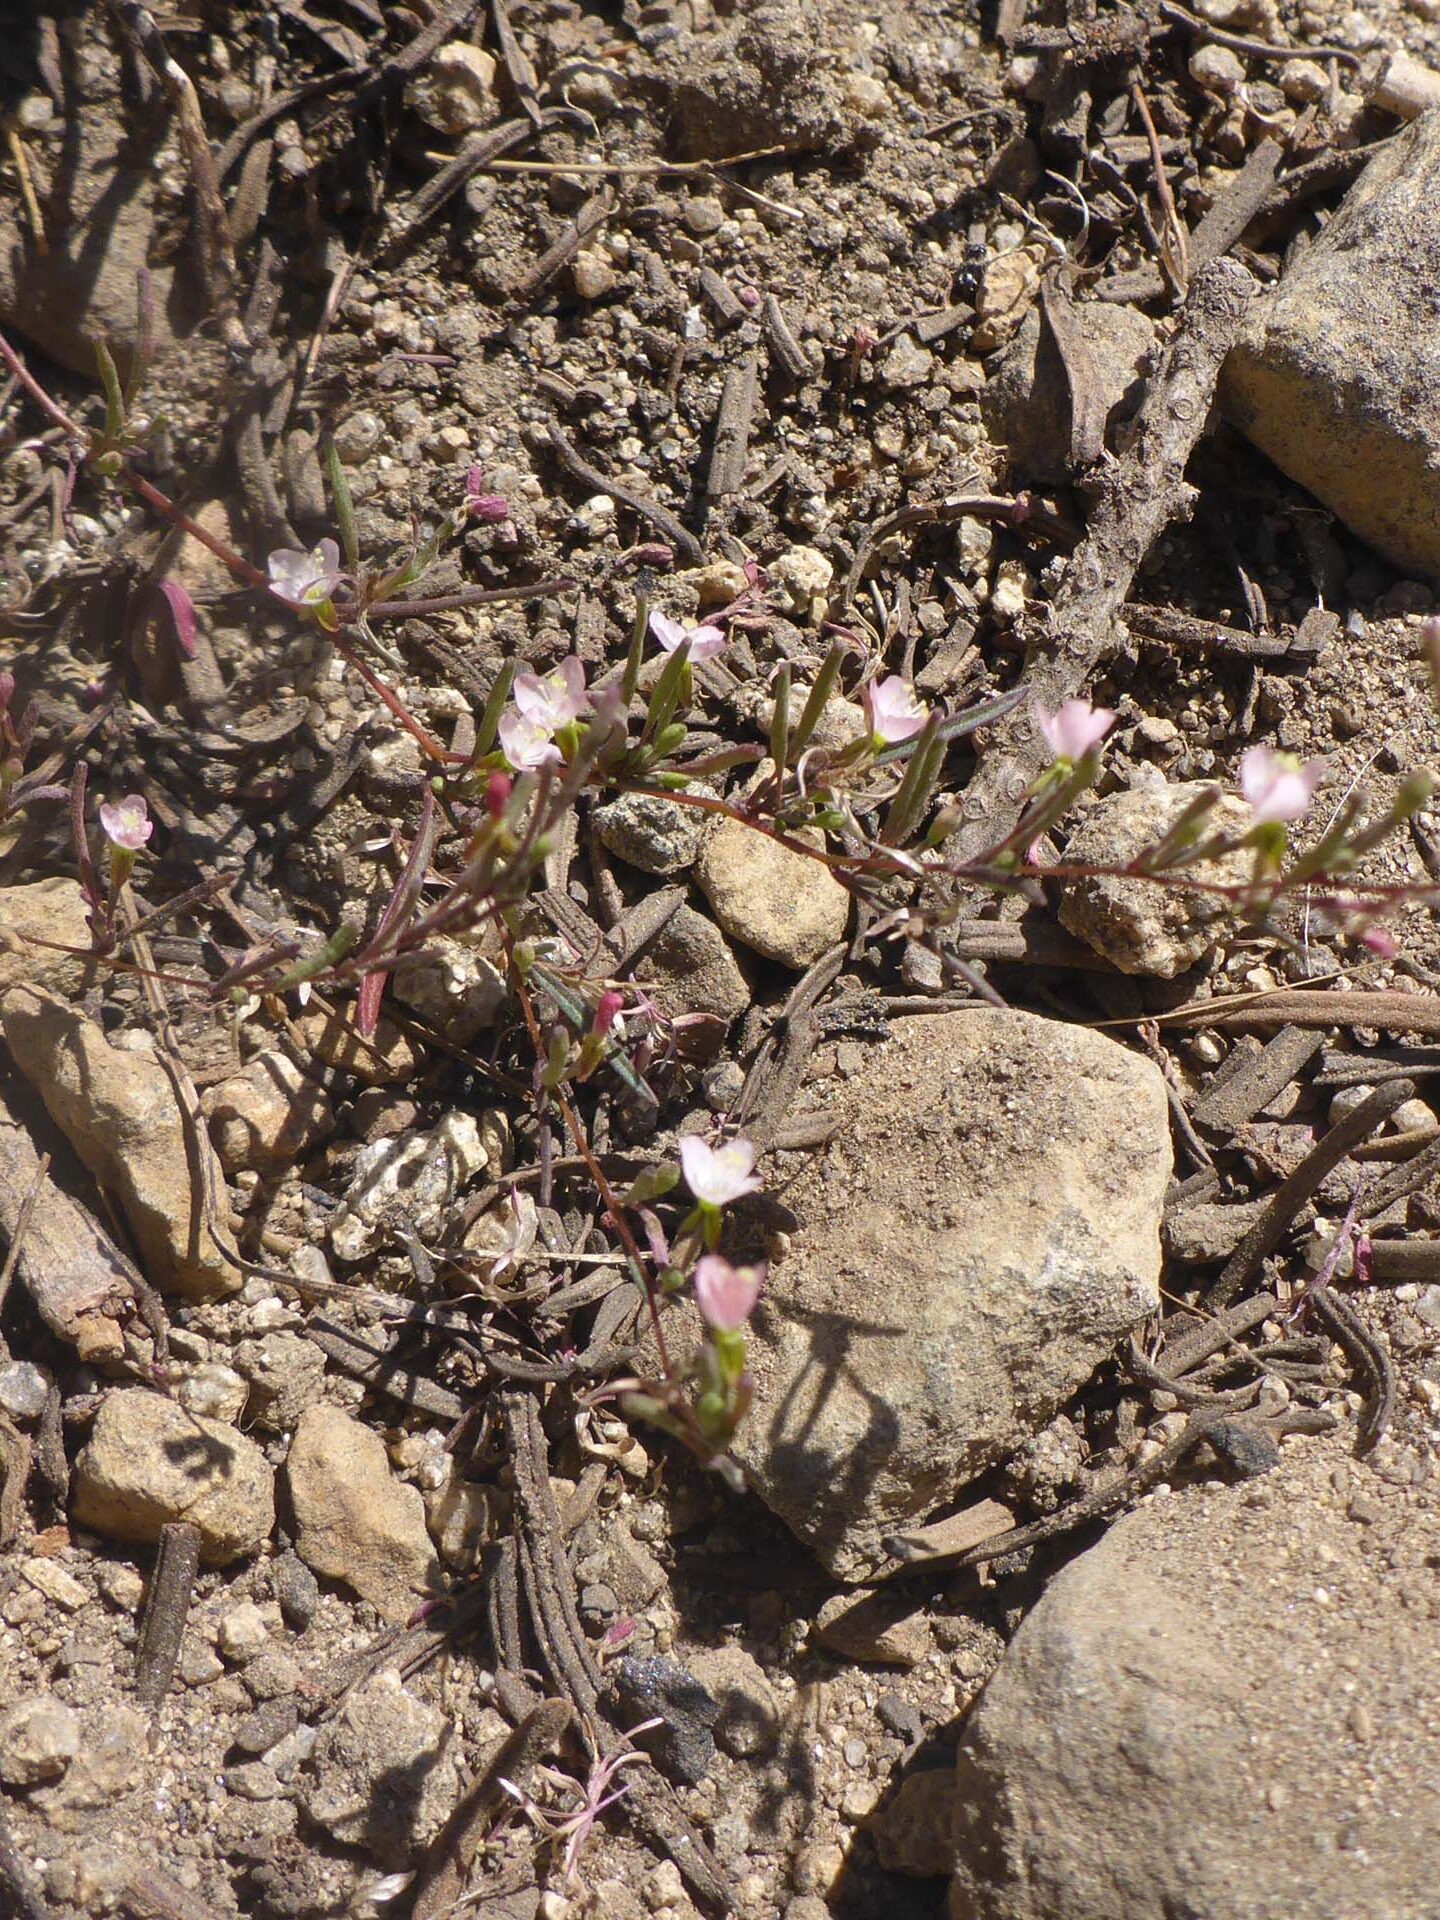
{"points": [[24, 1388], [244, 1633]]}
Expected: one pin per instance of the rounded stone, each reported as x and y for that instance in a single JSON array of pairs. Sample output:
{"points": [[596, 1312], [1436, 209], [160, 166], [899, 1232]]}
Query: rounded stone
{"points": [[149, 1461], [783, 905], [1159, 927], [983, 1228]]}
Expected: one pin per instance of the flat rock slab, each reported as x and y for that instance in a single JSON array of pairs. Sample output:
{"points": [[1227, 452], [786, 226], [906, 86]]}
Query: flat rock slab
{"points": [[1335, 375], [1230, 1706], [985, 1226]]}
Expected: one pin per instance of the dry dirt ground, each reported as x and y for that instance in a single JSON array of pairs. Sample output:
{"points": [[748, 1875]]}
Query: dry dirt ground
{"points": [[570, 323]]}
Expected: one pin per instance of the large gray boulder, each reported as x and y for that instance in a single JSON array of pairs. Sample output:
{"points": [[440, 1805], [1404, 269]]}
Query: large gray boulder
{"points": [[983, 1228], [1336, 376], [1230, 1706]]}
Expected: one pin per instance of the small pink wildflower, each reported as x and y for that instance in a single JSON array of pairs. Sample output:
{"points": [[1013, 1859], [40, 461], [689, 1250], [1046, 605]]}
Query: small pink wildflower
{"points": [[724, 1294], [1276, 785], [705, 641], [524, 744], [893, 711], [718, 1175], [1073, 728], [1380, 942], [553, 700], [305, 579], [127, 824]]}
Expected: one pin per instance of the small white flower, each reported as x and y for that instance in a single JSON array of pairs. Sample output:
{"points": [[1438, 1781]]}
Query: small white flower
{"points": [[553, 700], [1074, 727], [718, 1175], [524, 744], [305, 579], [127, 824], [705, 641], [894, 712], [1276, 785]]}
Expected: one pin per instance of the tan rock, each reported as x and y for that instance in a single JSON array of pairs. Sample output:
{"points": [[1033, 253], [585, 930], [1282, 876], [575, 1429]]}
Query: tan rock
{"points": [[379, 1062], [268, 1115], [690, 968], [1148, 926], [915, 1832], [51, 912], [877, 1627], [148, 1462], [982, 1229], [357, 1522], [120, 1112], [781, 904]]}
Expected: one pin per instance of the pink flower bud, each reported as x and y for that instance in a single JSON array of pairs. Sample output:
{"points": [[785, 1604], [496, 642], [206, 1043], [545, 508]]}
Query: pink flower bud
{"points": [[607, 1013], [1380, 942], [480, 504], [498, 789], [7, 689], [724, 1294]]}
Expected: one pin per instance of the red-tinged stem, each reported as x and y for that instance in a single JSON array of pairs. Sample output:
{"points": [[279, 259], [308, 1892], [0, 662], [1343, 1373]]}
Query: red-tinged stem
{"points": [[592, 1165], [37, 393], [428, 743], [167, 509]]}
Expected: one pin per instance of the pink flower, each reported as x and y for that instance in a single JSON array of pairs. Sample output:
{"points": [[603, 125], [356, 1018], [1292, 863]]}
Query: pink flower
{"points": [[1380, 942], [1276, 785], [705, 641], [724, 1294], [718, 1175], [894, 712], [305, 579], [127, 824], [524, 744], [553, 700], [1074, 727]]}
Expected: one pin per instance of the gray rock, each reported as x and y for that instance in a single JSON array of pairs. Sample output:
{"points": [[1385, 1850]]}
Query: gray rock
{"points": [[409, 1181], [385, 1772], [689, 968], [649, 1687], [1147, 926], [149, 1462], [1335, 376], [658, 836], [297, 1590], [1231, 1705], [915, 1832], [38, 1740], [980, 1233], [357, 1522], [24, 1389], [1025, 401], [781, 904]]}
